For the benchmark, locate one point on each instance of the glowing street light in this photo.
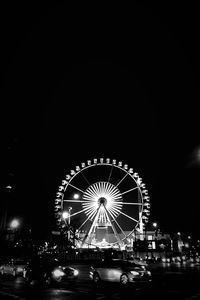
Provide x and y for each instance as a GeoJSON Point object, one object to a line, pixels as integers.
{"type": "Point", "coordinates": [14, 224]}
{"type": "Point", "coordinates": [76, 196]}
{"type": "Point", "coordinates": [155, 224]}
{"type": "Point", "coordinates": [67, 218]}
{"type": "Point", "coordinates": [65, 215]}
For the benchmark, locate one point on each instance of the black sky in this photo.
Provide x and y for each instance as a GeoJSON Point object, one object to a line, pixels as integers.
{"type": "Point", "coordinates": [120, 83]}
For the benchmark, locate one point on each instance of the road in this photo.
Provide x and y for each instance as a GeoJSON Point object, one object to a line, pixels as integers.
{"type": "Point", "coordinates": [170, 281]}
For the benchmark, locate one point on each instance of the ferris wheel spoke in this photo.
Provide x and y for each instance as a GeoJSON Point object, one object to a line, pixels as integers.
{"type": "Point", "coordinates": [99, 187]}
{"type": "Point", "coordinates": [112, 214]}
{"type": "Point", "coordinates": [89, 195]}
{"type": "Point", "coordinates": [108, 188]}
{"type": "Point", "coordinates": [74, 201]}
{"type": "Point", "coordinates": [117, 205]}
{"type": "Point", "coordinates": [89, 204]}
{"type": "Point", "coordinates": [90, 210]}
{"type": "Point", "coordinates": [78, 212]}
{"type": "Point", "coordinates": [75, 187]}
{"type": "Point", "coordinates": [85, 177]}
{"type": "Point", "coordinates": [129, 190]}
{"type": "Point", "coordinates": [105, 187]}
{"type": "Point", "coordinates": [92, 226]}
{"type": "Point", "coordinates": [121, 180]}
{"type": "Point", "coordinates": [113, 190]}
{"type": "Point", "coordinates": [116, 195]}
{"type": "Point", "coordinates": [110, 174]}
{"type": "Point", "coordinates": [129, 203]}
{"type": "Point", "coordinates": [84, 223]}
{"type": "Point", "coordinates": [115, 208]}
{"type": "Point", "coordinates": [114, 220]}
{"type": "Point", "coordinates": [112, 225]}
{"type": "Point", "coordinates": [129, 217]}
{"type": "Point", "coordinates": [92, 214]}
{"type": "Point", "coordinates": [92, 192]}
{"type": "Point", "coordinates": [115, 211]}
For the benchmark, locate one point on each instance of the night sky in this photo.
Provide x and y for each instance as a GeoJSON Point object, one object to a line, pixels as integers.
{"type": "Point", "coordinates": [82, 83]}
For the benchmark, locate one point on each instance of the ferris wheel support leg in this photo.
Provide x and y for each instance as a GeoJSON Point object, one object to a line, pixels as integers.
{"type": "Point", "coordinates": [92, 226]}
{"type": "Point", "coordinates": [113, 228]}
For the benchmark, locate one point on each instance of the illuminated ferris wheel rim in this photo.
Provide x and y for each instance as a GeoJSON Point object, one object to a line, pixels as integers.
{"type": "Point", "coordinates": [129, 171]}
{"type": "Point", "coordinates": [87, 198]}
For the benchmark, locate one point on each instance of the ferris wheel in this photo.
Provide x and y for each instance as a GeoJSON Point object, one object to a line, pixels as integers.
{"type": "Point", "coordinates": [105, 200]}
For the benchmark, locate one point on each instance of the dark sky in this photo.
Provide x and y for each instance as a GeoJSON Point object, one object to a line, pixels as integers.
{"type": "Point", "coordinates": [120, 83]}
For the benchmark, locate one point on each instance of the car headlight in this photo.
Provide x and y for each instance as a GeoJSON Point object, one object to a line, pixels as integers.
{"type": "Point", "coordinates": [134, 273]}
{"type": "Point", "coordinates": [149, 273]}
{"type": "Point", "coordinates": [76, 272]}
{"type": "Point", "coordinates": [19, 269]}
{"type": "Point", "coordinates": [58, 273]}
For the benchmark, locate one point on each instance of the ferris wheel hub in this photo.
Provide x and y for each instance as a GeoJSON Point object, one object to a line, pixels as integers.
{"type": "Point", "coordinates": [102, 200]}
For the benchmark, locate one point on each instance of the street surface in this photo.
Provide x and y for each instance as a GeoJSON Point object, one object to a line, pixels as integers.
{"type": "Point", "coordinates": [170, 281]}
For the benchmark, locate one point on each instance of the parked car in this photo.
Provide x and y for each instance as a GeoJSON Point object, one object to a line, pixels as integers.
{"type": "Point", "coordinates": [13, 267]}
{"type": "Point", "coordinates": [47, 271]}
{"type": "Point", "coordinates": [121, 271]}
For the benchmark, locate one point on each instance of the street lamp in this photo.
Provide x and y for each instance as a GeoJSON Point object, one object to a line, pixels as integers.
{"type": "Point", "coordinates": [13, 230]}
{"type": "Point", "coordinates": [14, 224]}
{"type": "Point", "coordinates": [76, 196]}
{"type": "Point", "coordinates": [67, 218]}
{"type": "Point", "coordinates": [65, 215]}
{"type": "Point", "coordinates": [155, 224]}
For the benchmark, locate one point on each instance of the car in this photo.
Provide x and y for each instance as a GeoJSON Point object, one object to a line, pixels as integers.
{"type": "Point", "coordinates": [121, 271]}
{"type": "Point", "coordinates": [48, 271]}
{"type": "Point", "coordinates": [13, 267]}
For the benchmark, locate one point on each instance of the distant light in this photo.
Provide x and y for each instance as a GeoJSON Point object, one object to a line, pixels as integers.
{"type": "Point", "coordinates": [178, 233]}
{"type": "Point", "coordinates": [155, 224]}
{"type": "Point", "coordinates": [8, 187]}
{"type": "Point", "coordinates": [76, 196]}
{"type": "Point", "coordinates": [14, 223]}
{"type": "Point", "coordinates": [189, 237]}
{"type": "Point", "coordinates": [65, 215]}
{"type": "Point", "coordinates": [198, 154]}
{"type": "Point", "coordinates": [195, 157]}
{"type": "Point", "coordinates": [76, 272]}
{"type": "Point", "coordinates": [58, 273]}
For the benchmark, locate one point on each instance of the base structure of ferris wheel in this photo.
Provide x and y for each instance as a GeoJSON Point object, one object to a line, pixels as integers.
{"type": "Point", "coordinates": [107, 203]}
{"type": "Point", "coordinates": [89, 241]}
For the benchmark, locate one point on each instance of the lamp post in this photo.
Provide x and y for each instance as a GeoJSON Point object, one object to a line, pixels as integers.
{"type": "Point", "coordinates": [67, 218]}
{"type": "Point", "coordinates": [13, 228]}
{"type": "Point", "coordinates": [155, 226]}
